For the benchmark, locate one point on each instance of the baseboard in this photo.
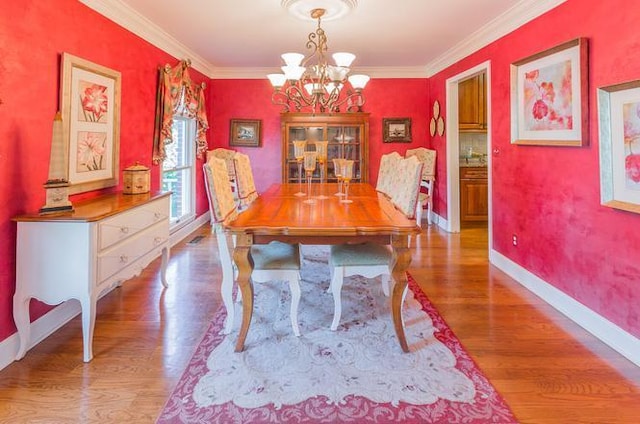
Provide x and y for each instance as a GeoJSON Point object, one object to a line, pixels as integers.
{"type": "Point", "coordinates": [50, 322]}
{"type": "Point", "coordinates": [606, 331]}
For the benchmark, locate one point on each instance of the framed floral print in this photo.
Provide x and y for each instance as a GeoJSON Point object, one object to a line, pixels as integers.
{"type": "Point", "coordinates": [619, 121]}
{"type": "Point", "coordinates": [396, 130]}
{"type": "Point", "coordinates": [245, 132]}
{"type": "Point", "coordinates": [549, 97]}
{"type": "Point", "coordinates": [90, 106]}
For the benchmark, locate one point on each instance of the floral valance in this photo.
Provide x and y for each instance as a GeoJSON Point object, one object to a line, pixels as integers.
{"type": "Point", "coordinates": [178, 95]}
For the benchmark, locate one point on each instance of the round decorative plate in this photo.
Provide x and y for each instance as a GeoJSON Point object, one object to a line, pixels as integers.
{"type": "Point", "coordinates": [432, 127]}
{"type": "Point", "coordinates": [440, 126]}
{"type": "Point", "coordinates": [436, 109]}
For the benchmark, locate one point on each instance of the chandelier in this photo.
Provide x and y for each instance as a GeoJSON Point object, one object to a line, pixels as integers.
{"type": "Point", "coordinates": [311, 84]}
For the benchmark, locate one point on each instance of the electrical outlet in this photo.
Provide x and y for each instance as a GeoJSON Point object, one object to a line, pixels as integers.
{"type": "Point", "coordinates": [515, 240]}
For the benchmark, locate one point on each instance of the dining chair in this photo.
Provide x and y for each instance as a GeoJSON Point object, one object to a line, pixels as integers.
{"type": "Point", "coordinates": [428, 159]}
{"type": "Point", "coordinates": [227, 155]}
{"type": "Point", "coordinates": [271, 262]}
{"type": "Point", "coordinates": [388, 164]}
{"type": "Point", "coordinates": [244, 180]}
{"type": "Point", "coordinates": [368, 259]}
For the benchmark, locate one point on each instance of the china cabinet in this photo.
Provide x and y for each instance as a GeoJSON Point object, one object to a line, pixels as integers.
{"type": "Point", "coordinates": [347, 135]}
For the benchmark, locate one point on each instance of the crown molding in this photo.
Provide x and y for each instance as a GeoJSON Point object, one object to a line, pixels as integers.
{"type": "Point", "coordinates": [127, 17]}
{"type": "Point", "coordinates": [518, 15]}
{"type": "Point", "coordinates": [373, 72]}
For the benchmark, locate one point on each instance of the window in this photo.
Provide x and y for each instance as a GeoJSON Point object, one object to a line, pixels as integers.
{"type": "Point", "coordinates": [178, 171]}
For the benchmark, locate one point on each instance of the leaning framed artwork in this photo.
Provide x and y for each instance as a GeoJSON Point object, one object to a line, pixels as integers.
{"type": "Point", "coordinates": [245, 132]}
{"type": "Point", "coordinates": [619, 129]}
{"type": "Point", "coordinates": [90, 107]}
{"type": "Point", "coordinates": [549, 97]}
{"type": "Point", "coordinates": [396, 130]}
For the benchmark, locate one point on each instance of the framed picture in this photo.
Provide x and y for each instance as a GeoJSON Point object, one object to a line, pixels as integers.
{"type": "Point", "coordinates": [396, 130]}
{"type": "Point", "coordinates": [90, 107]}
{"type": "Point", "coordinates": [245, 132]}
{"type": "Point", "coordinates": [619, 121]}
{"type": "Point", "coordinates": [549, 97]}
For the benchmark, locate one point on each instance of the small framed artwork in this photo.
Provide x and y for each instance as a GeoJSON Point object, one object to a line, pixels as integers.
{"type": "Point", "coordinates": [90, 107]}
{"type": "Point", "coordinates": [396, 130]}
{"type": "Point", "coordinates": [549, 97]}
{"type": "Point", "coordinates": [619, 128]}
{"type": "Point", "coordinates": [245, 132]}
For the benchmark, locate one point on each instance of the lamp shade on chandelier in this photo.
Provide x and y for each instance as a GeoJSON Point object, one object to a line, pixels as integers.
{"type": "Point", "coordinates": [312, 84]}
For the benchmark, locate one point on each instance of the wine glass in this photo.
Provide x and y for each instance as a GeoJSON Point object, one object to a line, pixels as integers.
{"type": "Point", "coordinates": [347, 174]}
{"type": "Point", "coordinates": [337, 170]}
{"type": "Point", "coordinates": [321, 151]}
{"type": "Point", "coordinates": [298, 152]}
{"type": "Point", "coordinates": [309, 167]}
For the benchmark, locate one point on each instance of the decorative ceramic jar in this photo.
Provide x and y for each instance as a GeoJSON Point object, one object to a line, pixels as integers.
{"type": "Point", "coordinates": [136, 179]}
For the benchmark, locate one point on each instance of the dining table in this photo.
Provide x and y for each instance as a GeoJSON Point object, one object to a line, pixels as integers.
{"type": "Point", "coordinates": [279, 215]}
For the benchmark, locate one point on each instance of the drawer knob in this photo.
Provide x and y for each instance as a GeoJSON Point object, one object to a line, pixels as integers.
{"type": "Point", "coordinates": [124, 230]}
{"type": "Point", "coordinates": [124, 259]}
{"type": "Point", "coordinates": [157, 240]}
{"type": "Point", "coordinates": [157, 215]}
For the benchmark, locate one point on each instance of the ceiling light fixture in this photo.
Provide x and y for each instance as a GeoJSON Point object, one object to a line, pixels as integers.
{"type": "Point", "coordinates": [319, 86]}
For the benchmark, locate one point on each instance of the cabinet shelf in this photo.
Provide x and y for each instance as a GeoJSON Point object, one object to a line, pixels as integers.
{"type": "Point", "coordinates": [347, 135]}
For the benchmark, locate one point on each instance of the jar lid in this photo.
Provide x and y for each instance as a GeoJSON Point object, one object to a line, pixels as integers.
{"type": "Point", "coordinates": [137, 167]}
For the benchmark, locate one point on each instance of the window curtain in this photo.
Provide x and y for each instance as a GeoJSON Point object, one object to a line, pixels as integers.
{"type": "Point", "coordinates": [178, 95]}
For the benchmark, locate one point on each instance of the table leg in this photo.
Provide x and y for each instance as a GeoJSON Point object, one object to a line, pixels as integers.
{"type": "Point", "coordinates": [244, 262]}
{"type": "Point", "coordinates": [401, 261]}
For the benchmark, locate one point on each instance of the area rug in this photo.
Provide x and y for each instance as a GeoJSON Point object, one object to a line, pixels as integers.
{"type": "Point", "coordinates": [356, 374]}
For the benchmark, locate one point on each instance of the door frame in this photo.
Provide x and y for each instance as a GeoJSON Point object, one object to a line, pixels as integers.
{"type": "Point", "coordinates": [453, 148]}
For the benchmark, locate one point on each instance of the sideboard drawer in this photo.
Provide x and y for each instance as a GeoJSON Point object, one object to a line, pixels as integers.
{"type": "Point", "coordinates": [121, 226]}
{"type": "Point", "coordinates": [126, 253]}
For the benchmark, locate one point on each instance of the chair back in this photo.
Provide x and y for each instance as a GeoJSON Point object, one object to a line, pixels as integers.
{"type": "Point", "coordinates": [428, 159]}
{"type": "Point", "coordinates": [408, 176]}
{"type": "Point", "coordinates": [244, 180]}
{"type": "Point", "coordinates": [227, 155]}
{"type": "Point", "coordinates": [222, 207]}
{"type": "Point", "coordinates": [388, 164]}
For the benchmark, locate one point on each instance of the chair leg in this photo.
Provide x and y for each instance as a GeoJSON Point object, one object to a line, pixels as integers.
{"type": "Point", "coordinates": [294, 287]}
{"type": "Point", "coordinates": [336, 289]}
{"type": "Point", "coordinates": [385, 280]}
{"type": "Point", "coordinates": [429, 212]}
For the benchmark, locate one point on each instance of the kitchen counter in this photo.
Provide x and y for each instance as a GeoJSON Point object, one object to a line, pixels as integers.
{"type": "Point", "coordinates": [472, 163]}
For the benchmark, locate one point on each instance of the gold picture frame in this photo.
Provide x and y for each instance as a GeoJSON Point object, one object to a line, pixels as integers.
{"type": "Point", "coordinates": [245, 132]}
{"type": "Point", "coordinates": [90, 108]}
{"type": "Point", "coordinates": [549, 97]}
{"type": "Point", "coordinates": [396, 130]}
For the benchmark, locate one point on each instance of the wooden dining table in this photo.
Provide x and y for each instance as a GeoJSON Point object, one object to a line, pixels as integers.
{"type": "Point", "coordinates": [279, 215]}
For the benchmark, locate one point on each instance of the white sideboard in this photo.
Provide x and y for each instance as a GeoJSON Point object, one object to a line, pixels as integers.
{"type": "Point", "coordinates": [82, 254]}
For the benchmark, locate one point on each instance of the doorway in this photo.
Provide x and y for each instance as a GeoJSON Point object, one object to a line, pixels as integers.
{"type": "Point", "coordinates": [453, 157]}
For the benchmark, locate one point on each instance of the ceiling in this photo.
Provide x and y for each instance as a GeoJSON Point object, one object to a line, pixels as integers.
{"type": "Point", "coordinates": [246, 37]}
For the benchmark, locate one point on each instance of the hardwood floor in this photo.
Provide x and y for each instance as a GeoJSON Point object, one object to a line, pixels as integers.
{"type": "Point", "coordinates": [548, 369]}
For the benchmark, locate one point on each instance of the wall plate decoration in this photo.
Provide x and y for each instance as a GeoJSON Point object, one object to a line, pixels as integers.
{"type": "Point", "coordinates": [432, 126]}
{"type": "Point", "coordinates": [440, 126]}
{"type": "Point", "coordinates": [436, 109]}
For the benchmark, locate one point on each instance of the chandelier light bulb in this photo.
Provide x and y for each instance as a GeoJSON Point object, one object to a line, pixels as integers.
{"type": "Point", "coordinates": [292, 59]}
{"type": "Point", "coordinates": [293, 73]}
{"type": "Point", "coordinates": [277, 80]}
{"type": "Point", "coordinates": [358, 81]}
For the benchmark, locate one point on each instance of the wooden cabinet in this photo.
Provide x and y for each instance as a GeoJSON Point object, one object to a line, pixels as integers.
{"type": "Point", "coordinates": [472, 112]}
{"type": "Point", "coordinates": [85, 253]}
{"type": "Point", "coordinates": [347, 134]}
{"type": "Point", "coordinates": [474, 194]}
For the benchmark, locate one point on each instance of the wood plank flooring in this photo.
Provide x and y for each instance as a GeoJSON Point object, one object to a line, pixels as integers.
{"type": "Point", "coordinates": [548, 369]}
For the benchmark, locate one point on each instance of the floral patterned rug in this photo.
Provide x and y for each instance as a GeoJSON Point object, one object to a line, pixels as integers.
{"type": "Point", "coordinates": [355, 374]}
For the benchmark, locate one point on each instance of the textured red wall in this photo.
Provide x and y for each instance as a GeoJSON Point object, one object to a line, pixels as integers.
{"type": "Point", "coordinates": [33, 34]}
{"type": "Point", "coordinates": [550, 196]}
{"type": "Point", "coordinates": [251, 99]}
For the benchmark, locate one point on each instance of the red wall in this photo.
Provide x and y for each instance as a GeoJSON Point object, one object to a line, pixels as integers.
{"type": "Point", "coordinates": [33, 34]}
{"type": "Point", "coordinates": [550, 196]}
{"type": "Point", "coordinates": [251, 99]}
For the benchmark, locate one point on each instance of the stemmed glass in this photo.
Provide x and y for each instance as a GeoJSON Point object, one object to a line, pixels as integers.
{"type": "Point", "coordinates": [298, 152]}
{"type": "Point", "coordinates": [337, 170]}
{"type": "Point", "coordinates": [321, 151]}
{"type": "Point", "coordinates": [347, 174]}
{"type": "Point", "coordinates": [309, 167]}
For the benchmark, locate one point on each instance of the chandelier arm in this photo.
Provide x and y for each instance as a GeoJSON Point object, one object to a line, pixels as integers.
{"type": "Point", "coordinates": [280, 99]}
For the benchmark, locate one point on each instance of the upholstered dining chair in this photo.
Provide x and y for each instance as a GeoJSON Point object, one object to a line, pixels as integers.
{"type": "Point", "coordinates": [273, 261]}
{"type": "Point", "coordinates": [227, 155]}
{"type": "Point", "coordinates": [386, 172]}
{"type": "Point", "coordinates": [428, 159]}
{"type": "Point", "coordinates": [244, 180]}
{"type": "Point", "coordinates": [372, 260]}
